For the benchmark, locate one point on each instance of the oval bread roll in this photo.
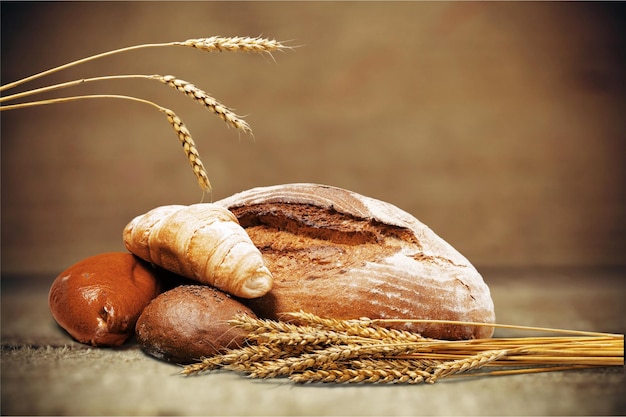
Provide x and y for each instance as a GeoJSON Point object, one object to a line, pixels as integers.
{"type": "Point", "coordinates": [98, 300]}
{"type": "Point", "coordinates": [189, 322]}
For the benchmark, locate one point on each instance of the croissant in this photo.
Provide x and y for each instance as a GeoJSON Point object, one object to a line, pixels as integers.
{"type": "Point", "coordinates": [203, 242]}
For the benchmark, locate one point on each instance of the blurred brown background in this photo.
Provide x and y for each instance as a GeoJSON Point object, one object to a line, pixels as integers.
{"type": "Point", "coordinates": [499, 125]}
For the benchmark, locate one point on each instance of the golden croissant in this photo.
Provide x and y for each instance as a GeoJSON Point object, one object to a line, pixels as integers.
{"type": "Point", "coordinates": [203, 242]}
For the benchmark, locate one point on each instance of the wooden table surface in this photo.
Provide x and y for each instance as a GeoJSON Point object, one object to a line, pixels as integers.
{"type": "Point", "coordinates": [45, 372]}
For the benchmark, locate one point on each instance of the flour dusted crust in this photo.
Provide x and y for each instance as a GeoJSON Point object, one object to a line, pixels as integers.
{"type": "Point", "coordinates": [338, 254]}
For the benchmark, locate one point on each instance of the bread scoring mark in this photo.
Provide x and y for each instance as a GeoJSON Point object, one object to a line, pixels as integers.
{"type": "Point", "coordinates": [324, 223]}
{"type": "Point", "coordinates": [317, 241]}
{"type": "Point", "coordinates": [467, 287]}
{"type": "Point", "coordinates": [423, 257]}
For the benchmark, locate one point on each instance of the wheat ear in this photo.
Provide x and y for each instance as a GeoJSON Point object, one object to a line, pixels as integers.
{"type": "Point", "coordinates": [246, 354]}
{"type": "Point", "coordinates": [200, 96]}
{"type": "Point", "coordinates": [235, 44]}
{"type": "Point", "coordinates": [355, 358]}
{"type": "Point", "coordinates": [283, 333]}
{"type": "Point", "coordinates": [466, 364]}
{"type": "Point", "coordinates": [358, 327]}
{"type": "Point", "coordinates": [348, 375]}
{"type": "Point", "coordinates": [393, 371]}
{"type": "Point", "coordinates": [189, 147]}
{"type": "Point", "coordinates": [322, 358]}
{"type": "Point", "coordinates": [181, 131]}
{"type": "Point", "coordinates": [205, 100]}
{"type": "Point", "coordinates": [214, 43]}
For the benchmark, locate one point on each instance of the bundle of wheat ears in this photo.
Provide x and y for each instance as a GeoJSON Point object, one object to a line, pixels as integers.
{"type": "Point", "coordinates": [329, 350]}
{"type": "Point", "coordinates": [363, 350]}
{"type": "Point", "coordinates": [212, 44]}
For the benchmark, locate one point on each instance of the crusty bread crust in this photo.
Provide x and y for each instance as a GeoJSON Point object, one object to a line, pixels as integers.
{"type": "Point", "coordinates": [190, 322]}
{"type": "Point", "coordinates": [98, 300]}
{"type": "Point", "coordinates": [338, 254]}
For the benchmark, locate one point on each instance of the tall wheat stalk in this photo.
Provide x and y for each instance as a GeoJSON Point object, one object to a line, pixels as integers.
{"type": "Point", "coordinates": [212, 44]}
{"type": "Point", "coordinates": [352, 351]}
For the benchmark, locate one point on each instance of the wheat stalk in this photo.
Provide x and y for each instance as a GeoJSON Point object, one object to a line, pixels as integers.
{"type": "Point", "coordinates": [246, 354]}
{"type": "Point", "coordinates": [215, 43]}
{"type": "Point", "coordinates": [466, 364]}
{"type": "Point", "coordinates": [353, 351]}
{"type": "Point", "coordinates": [282, 333]}
{"type": "Point", "coordinates": [257, 325]}
{"type": "Point", "coordinates": [393, 371]}
{"type": "Point", "coordinates": [190, 149]}
{"type": "Point", "coordinates": [182, 132]}
{"type": "Point", "coordinates": [205, 100]}
{"type": "Point", "coordinates": [304, 336]}
{"type": "Point", "coordinates": [324, 358]}
{"type": "Point", "coordinates": [180, 128]}
{"type": "Point", "coordinates": [359, 327]}
{"type": "Point", "coordinates": [200, 96]}
{"type": "Point", "coordinates": [395, 364]}
{"type": "Point", "coordinates": [348, 375]}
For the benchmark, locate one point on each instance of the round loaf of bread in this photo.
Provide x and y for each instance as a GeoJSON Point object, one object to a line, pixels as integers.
{"type": "Point", "coordinates": [98, 300]}
{"type": "Point", "coordinates": [338, 254]}
{"type": "Point", "coordinates": [190, 322]}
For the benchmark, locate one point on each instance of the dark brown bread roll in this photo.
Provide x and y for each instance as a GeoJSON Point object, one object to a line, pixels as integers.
{"type": "Point", "coordinates": [189, 322]}
{"type": "Point", "coordinates": [338, 254]}
{"type": "Point", "coordinates": [98, 300]}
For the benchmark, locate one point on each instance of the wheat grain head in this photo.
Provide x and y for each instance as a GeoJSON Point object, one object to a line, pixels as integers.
{"type": "Point", "coordinates": [189, 147]}
{"type": "Point", "coordinates": [205, 100]}
{"type": "Point", "coordinates": [234, 44]}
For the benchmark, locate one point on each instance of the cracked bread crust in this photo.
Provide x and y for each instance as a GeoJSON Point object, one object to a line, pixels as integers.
{"type": "Point", "coordinates": [342, 255]}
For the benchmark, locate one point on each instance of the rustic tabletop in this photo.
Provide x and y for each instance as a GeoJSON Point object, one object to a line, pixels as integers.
{"type": "Point", "coordinates": [45, 372]}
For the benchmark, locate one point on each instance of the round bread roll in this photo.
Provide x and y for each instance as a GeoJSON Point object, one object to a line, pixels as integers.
{"type": "Point", "coordinates": [338, 254]}
{"type": "Point", "coordinates": [98, 300]}
{"type": "Point", "coordinates": [189, 322]}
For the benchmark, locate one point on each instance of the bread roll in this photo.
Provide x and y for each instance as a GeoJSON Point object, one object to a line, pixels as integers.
{"type": "Point", "coordinates": [98, 300]}
{"type": "Point", "coordinates": [189, 322]}
{"type": "Point", "coordinates": [339, 254]}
